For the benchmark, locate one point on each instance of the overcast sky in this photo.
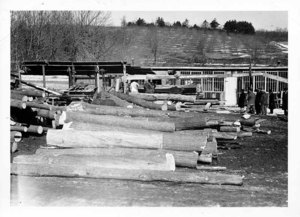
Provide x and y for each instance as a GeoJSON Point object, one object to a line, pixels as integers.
{"type": "Point", "coordinates": [269, 20]}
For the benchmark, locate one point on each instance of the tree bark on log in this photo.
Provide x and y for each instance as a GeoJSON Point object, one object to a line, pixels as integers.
{"type": "Point", "coordinates": [189, 123]}
{"type": "Point", "coordinates": [142, 102]}
{"type": "Point", "coordinates": [172, 97]}
{"type": "Point", "coordinates": [182, 158]}
{"type": "Point", "coordinates": [19, 128]}
{"type": "Point", "coordinates": [117, 100]}
{"type": "Point", "coordinates": [18, 104]}
{"type": "Point", "coordinates": [27, 92]}
{"type": "Point", "coordinates": [163, 162]}
{"type": "Point", "coordinates": [140, 175]}
{"type": "Point", "coordinates": [40, 106]}
{"type": "Point", "coordinates": [205, 158]}
{"type": "Point", "coordinates": [46, 114]}
{"type": "Point", "coordinates": [35, 129]}
{"type": "Point", "coordinates": [117, 121]}
{"type": "Point", "coordinates": [229, 129]}
{"type": "Point", "coordinates": [105, 139]}
{"type": "Point", "coordinates": [16, 96]}
{"type": "Point", "coordinates": [40, 88]}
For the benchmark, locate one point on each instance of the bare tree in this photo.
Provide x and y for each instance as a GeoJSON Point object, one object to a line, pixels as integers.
{"type": "Point", "coordinates": [153, 42]}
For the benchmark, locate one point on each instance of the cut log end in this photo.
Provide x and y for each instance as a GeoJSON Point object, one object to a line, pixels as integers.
{"type": "Point", "coordinates": [170, 161]}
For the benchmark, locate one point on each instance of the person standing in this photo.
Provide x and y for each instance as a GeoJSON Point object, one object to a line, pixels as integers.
{"type": "Point", "coordinates": [272, 99]}
{"type": "Point", "coordinates": [285, 101]}
{"type": "Point", "coordinates": [263, 102]}
{"type": "Point", "coordinates": [148, 87]}
{"type": "Point", "coordinates": [258, 101]}
{"type": "Point", "coordinates": [134, 87]}
{"type": "Point", "coordinates": [251, 102]}
{"type": "Point", "coordinates": [242, 100]}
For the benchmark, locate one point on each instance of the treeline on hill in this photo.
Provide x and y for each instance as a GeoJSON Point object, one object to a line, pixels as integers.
{"type": "Point", "coordinates": [230, 26]}
{"type": "Point", "coordinates": [86, 36]}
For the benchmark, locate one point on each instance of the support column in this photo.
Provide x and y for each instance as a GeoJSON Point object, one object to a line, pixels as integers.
{"type": "Point", "coordinates": [103, 78]}
{"type": "Point", "coordinates": [124, 80]}
{"type": "Point", "coordinates": [44, 76]}
{"type": "Point", "coordinates": [97, 79]}
{"type": "Point", "coordinates": [70, 77]}
{"type": "Point", "coordinates": [73, 75]}
{"type": "Point", "coordinates": [230, 90]}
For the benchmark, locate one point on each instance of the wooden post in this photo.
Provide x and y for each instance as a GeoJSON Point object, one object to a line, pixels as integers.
{"type": "Point", "coordinates": [73, 75]}
{"type": "Point", "coordinates": [19, 75]}
{"type": "Point", "coordinates": [97, 79]}
{"type": "Point", "coordinates": [103, 79]}
{"type": "Point", "coordinates": [44, 76]}
{"type": "Point", "coordinates": [70, 77]}
{"type": "Point", "coordinates": [124, 81]}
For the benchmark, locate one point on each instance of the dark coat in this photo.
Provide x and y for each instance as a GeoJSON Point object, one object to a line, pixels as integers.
{"type": "Point", "coordinates": [264, 98]}
{"type": "Point", "coordinates": [242, 100]}
{"type": "Point", "coordinates": [285, 100]}
{"type": "Point", "coordinates": [272, 99]}
{"type": "Point", "coordinates": [251, 98]}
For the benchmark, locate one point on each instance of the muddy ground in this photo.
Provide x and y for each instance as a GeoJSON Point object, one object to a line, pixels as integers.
{"type": "Point", "coordinates": [262, 160]}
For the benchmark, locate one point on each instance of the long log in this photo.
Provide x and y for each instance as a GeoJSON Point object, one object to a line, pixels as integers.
{"type": "Point", "coordinates": [182, 158]}
{"type": "Point", "coordinates": [35, 129]}
{"type": "Point", "coordinates": [142, 102]}
{"type": "Point", "coordinates": [17, 104]}
{"type": "Point", "coordinates": [188, 123]}
{"type": "Point", "coordinates": [229, 129]}
{"type": "Point", "coordinates": [46, 114]}
{"type": "Point", "coordinates": [39, 106]}
{"type": "Point", "coordinates": [205, 158]}
{"type": "Point", "coordinates": [28, 92]}
{"type": "Point", "coordinates": [105, 139]}
{"type": "Point", "coordinates": [117, 121]}
{"type": "Point", "coordinates": [39, 88]}
{"type": "Point", "coordinates": [15, 136]}
{"type": "Point", "coordinates": [96, 172]}
{"type": "Point", "coordinates": [120, 111]}
{"type": "Point", "coordinates": [173, 97]}
{"type": "Point", "coordinates": [117, 100]}
{"type": "Point", "coordinates": [16, 96]}
{"type": "Point", "coordinates": [19, 128]}
{"type": "Point", "coordinates": [158, 162]}
{"type": "Point", "coordinates": [179, 140]}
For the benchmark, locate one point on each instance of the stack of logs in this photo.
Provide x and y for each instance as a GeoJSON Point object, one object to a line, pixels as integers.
{"type": "Point", "coordinates": [28, 108]}
{"type": "Point", "coordinates": [130, 142]}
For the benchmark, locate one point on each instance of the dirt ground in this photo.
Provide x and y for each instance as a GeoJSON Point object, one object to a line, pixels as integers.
{"type": "Point", "coordinates": [262, 160]}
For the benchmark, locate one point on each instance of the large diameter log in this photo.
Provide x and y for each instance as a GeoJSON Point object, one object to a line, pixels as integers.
{"type": "Point", "coordinates": [28, 92]}
{"type": "Point", "coordinates": [15, 136]}
{"type": "Point", "coordinates": [190, 123]}
{"type": "Point", "coordinates": [117, 121]}
{"type": "Point", "coordinates": [178, 140]}
{"type": "Point", "coordinates": [19, 128]}
{"type": "Point", "coordinates": [17, 104]}
{"type": "Point", "coordinates": [182, 158]}
{"type": "Point", "coordinates": [46, 114]}
{"type": "Point", "coordinates": [164, 162]}
{"type": "Point", "coordinates": [229, 129]}
{"type": "Point", "coordinates": [96, 172]}
{"type": "Point", "coordinates": [183, 142]}
{"type": "Point", "coordinates": [172, 97]}
{"type": "Point", "coordinates": [19, 97]}
{"type": "Point", "coordinates": [120, 111]}
{"type": "Point", "coordinates": [35, 129]}
{"type": "Point", "coordinates": [104, 139]}
{"type": "Point", "coordinates": [117, 100]}
{"type": "Point", "coordinates": [39, 106]}
{"type": "Point", "coordinates": [142, 102]}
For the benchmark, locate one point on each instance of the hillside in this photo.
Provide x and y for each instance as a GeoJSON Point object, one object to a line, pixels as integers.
{"type": "Point", "coordinates": [181, 46]}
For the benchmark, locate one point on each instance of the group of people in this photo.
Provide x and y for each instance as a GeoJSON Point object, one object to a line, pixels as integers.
{"type": "Point", "coordinates": [259, 103]}
{"type": "Point", "coordinates": [133, 87]}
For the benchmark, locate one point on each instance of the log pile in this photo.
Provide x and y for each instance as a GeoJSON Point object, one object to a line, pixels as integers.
{"type": "Point", "coordinates": [127, 142]}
